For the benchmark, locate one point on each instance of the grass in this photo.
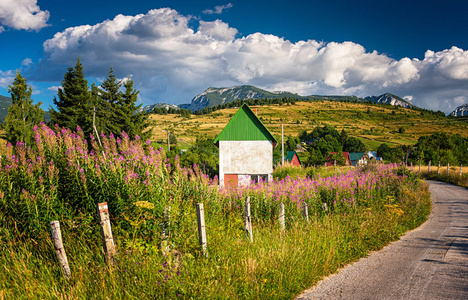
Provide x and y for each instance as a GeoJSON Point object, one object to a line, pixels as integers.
{"type": "Point", "coordinates": [373, 128]}
{"type": "Point", "coordinates": [368, 208]}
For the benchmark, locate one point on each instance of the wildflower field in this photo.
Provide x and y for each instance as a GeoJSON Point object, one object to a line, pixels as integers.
{"type": "Point", "coordinates": [65, 177]}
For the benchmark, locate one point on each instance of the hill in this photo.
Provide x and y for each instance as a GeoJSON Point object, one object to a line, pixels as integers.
{"type": "Point", "coordinates": [391, 100]}
{"type": "Point", "coordinates": [461, 111]}
{"type": "Point", "coordinates": [372, 123]}
{"type": "Point", "coordinates": [215, 96]}
{"type": "Point", "coordinates": [5, 102]}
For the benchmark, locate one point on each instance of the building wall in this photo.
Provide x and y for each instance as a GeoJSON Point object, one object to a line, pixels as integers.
{"type": "Point", "coordinates": [245, 158]}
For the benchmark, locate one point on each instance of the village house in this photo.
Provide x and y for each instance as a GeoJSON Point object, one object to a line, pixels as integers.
{"type": "Point", "coordinates": [358, 158]}
{"type": "Point", "coordinates": [245, 150]}
{"type": "Point", "coordinates": [292, 159]}
{"type": "Point", "coordinates": [331, 162]}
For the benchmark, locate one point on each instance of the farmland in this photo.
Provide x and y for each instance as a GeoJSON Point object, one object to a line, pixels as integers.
{"type": "Point", "coordinates": [373, 124]}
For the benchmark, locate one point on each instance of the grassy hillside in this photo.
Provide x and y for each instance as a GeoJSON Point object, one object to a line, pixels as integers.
{"type": "Point", "coordinates": [4, 103]}
{"type": "Point", "coordinates": [373, 124]}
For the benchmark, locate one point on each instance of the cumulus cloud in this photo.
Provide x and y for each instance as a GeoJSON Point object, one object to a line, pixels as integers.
{"type": "Point", "coordinates": [218, 9]}
{"type": "Point", "coordinates": [171, 62]}
{"type": "Point", "coordinates": [22, 14]}
{"type": "Point", "coordinates": [6, 78]}
{"type": "Point", "coordinates": [26, 62]}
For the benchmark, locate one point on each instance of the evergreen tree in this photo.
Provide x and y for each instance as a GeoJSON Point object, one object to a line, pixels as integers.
{"type": "Point", "coordinates": [110, 102]}
{"type": "Point", "coordinates": [133, 123]}
{"type": "Point", "coordinates": [23, 114]}
{"type": "Point", "coordinates": [74, 101]}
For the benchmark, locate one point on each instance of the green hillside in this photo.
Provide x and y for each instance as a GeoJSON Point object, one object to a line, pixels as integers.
{"type": "Point", "coordinates": [5, 102]}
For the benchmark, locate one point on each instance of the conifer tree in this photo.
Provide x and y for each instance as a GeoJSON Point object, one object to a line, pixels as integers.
{"type": "Point", "coordinates": [109, 102]}
{"type": "Point", "coordinates": [23, 114]}
{"type": "Point", "coordinates": [74, 102]}
{"type": "Point", "coordinates": [133, 123]}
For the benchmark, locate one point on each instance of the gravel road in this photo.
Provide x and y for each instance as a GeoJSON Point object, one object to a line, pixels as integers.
{"type": "Point", "coordinates": [430, 262]}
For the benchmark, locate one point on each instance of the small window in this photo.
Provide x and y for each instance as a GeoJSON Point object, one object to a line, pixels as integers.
{"type": "Point", "coordinates": [258, 178]}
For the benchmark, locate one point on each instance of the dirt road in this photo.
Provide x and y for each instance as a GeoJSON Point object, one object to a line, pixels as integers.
{"type": "Point", "coordinates": [430, 262]}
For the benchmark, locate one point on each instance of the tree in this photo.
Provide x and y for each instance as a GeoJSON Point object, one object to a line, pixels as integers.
{"type": "Point", "coordinates": [23, 114]}
{"type": "Point", "coordinates": [133, 122]}
{"type": "Point", "coordinates": [74, 101]}
{"type": "Point", "coordinates": [353, 144]}
{"type": "Point", "coordinates": [111, 102]}
{"type": "Point", "coordinates": [343, 137]}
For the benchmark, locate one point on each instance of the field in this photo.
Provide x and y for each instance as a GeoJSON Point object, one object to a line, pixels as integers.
{"type": "Point", "coordinates": [65, 180]}
{"type": "Point", "coordinates": [373, 124]}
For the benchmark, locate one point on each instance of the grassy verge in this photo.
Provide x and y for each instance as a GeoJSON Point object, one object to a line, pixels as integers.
{"type": "Point", "coordinates": [367, 208]}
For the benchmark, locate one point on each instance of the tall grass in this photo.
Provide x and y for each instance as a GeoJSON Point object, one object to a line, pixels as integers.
{"type": "Point", "coordinates": [65, 177]}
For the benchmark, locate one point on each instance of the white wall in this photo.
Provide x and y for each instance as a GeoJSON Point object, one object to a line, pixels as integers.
{"type": "Point", "coordinates": [245, 157]}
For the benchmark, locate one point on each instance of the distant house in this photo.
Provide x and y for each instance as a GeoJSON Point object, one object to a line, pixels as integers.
{"type": "Point", "coordinates": [331, 162]}
{"type": "Point", "coordinates": [245, 150]}
{"type": "Point", "coordinates": [358, 158]}
{"type": "Point", "coordinates": [373, 156]}
{"type": "Point", "coordinates": [292, 159]}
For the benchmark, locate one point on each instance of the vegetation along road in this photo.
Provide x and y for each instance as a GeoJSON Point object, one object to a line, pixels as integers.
{"type": "Point", "coordinates": [430, 262]}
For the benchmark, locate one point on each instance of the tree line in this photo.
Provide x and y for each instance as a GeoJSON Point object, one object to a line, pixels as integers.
{"type": "Point", "coordinates": [108, 108]}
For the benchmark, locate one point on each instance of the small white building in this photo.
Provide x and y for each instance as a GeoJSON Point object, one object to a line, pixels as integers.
{"type": "Point", "coordinates": [245, 150]}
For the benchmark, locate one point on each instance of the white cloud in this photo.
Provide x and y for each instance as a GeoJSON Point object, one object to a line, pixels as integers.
{"type": "Point", "coordinates": [22, 14]}
{"type": "Point", "coordinates": [171, 62]}
{"type": "Point", "coordinates": [2, 29]}
{"type": "Point", "coordinates": [54, 88]}
{"type": "Point", "coordinates": [6, 78]}
{"type": "Point", "coordinates": [218, 9]}
{"type": "Point", "coordinates": [26, 62]}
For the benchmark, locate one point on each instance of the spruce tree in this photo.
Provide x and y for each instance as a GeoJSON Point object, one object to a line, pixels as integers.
{"type": "Point", "coordinates": [23, 114]}
{"type": "Point", "coordinates": [74, 102]}
{"type": "Point", "coordinates": [109, 102]}
{"type": "Point", "coordinates": [133, 123]}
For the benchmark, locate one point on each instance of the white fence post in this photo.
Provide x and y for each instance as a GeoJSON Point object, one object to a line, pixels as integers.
{"type": "Point", "coordinates": [201, 228]}
{"type": "Point", "coordinates": [59, 250]}
{"type": "Point", "coordinates": [281, 217]}
{"type": "Point", "coordinates": [305, 211]}
{"type": "Point", "coordinates": [438, 169]}
{"type": "Point", "coordinates": [461, 170]}
{"type": "Point", "coordinates": [248, 219]}
{"type": "Point", "coordinates": [106, 231]}
{"type": "Point", "coordinates": [448, 169]}
{"type": "Point", "coordinates": [429, 167]}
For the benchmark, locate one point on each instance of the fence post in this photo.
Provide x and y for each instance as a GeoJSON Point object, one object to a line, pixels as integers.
{"type": "Point", "coordinates": [429, 167]}
{"type": "Point", "coordinates": [165, 225]}
{"type": "Point", "coordinates": [438, 169]}
{"type": "Point", "coordinates": [59, 250]}
{"type": "Point", "coordinates": [281, 217]}
{"type": "Point", "coordinates": [248, 219]}
{"type": "Point", "coordinates": [334, 164]}
{"type": "Point", "coordinates": [106, 231]}
{"type": "Point", "coordinates": [460, 170]}
{"type": "Point", "coordinates": [305, 211]}
{"type": "Point", "coordinates": [411, 166]}
{"type": "Point", "coordinates": [201, 228]}
{"type": "Point", "coordinates": [324, 207]}
{"type": "Point", "coordinates": [448, 169]}
{"type": "Point", "coordinates": [419, 166]}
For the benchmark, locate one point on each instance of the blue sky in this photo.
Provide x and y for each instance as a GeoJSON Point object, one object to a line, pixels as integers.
{"type": "Point", "coordinates": [174, 50]}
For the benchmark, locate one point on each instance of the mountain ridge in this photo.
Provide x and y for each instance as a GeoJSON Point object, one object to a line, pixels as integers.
{"type": "Point", "coordinates": [460, 111]}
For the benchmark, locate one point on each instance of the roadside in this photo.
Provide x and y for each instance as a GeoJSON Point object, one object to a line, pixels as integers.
{"type": "Point", "coordinates": [430, 262]}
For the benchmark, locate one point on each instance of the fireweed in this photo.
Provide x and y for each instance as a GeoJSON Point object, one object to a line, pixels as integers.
{"type": "Point", "coordinates": [63, 176]}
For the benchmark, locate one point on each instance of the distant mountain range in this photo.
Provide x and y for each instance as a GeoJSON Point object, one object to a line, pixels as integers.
{"type": "Point", "coordinates": [215, 96]}
{"type": "Point", "coordinates": [461, 111]}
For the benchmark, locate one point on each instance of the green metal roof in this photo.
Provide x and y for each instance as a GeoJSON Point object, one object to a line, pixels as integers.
{"type": "Point", "coordinates": [245, 126]}
{"type": "Point", "coordinates": [290, 156]}
{"type": "Point", "coordinates": [356, 156]}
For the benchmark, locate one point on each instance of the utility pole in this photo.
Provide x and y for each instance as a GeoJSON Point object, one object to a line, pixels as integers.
{"type": "Point", "coordinates": [282, 145]}
{"type": "Point", "coordinates": [168, 142]}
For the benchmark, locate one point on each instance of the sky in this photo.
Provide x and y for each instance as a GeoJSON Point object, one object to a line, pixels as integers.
{"type": "Point", "coordinates": [174, 50]}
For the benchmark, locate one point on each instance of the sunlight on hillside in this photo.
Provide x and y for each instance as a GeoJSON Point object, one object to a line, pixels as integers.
{"type": "Point", "coordinates": [373, 124]}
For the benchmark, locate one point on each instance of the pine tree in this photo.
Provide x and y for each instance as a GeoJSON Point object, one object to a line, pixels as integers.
{"type": "Point", "coordinates": [74, 102]}
{"type": "Point", "coordinates": [23, 114]}
{"type": "Point", "coordinates": [109, 104]}
{"type": "Point", "coordinates": [133, 123]}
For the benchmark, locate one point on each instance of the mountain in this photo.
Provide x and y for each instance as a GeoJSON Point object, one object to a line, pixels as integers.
{"type": "Point", "coordinates": [214, 96]}
{"type": "Point", "coordinates": [5, 102]}
{"type": "Point", "coordinates": [149, 108]}
{"type": "Point", "coordinates": [460, 111]}
{"type": "Point", "coordinates": [390, 99]}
